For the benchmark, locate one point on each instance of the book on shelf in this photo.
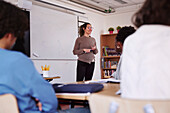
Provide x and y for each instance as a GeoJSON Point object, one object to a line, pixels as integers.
{"type": "Point", "coordinates": [109, 51]}
{"type": "Point", "coordinates": [113, 64]}
{"type": "Point", "coordinates": [102, 62]}
{"type": "Point", "coordinates": [104, 50]}
{"type": "Point", "coordinates": [108, 64]}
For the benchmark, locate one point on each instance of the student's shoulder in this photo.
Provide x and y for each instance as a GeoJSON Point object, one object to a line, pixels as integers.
{"type": "Point", "coordinates": [15, 55]}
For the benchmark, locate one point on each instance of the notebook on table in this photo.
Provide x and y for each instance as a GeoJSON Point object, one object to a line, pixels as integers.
{"type": "Point", "coordinates": [77, 88]}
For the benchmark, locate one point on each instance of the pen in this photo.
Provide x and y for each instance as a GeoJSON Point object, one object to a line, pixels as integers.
{"type": "Point", "coordinates": [48, 68]}
{"type": "Point", "coordinates": [45, 68]}
{"type": "Point", "coordinates": [42, 68]}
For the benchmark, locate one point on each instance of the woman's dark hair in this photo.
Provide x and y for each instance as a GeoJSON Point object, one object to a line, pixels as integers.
{"type": "Point", "coordinates": [124, 32]}
{"type": "Point", "coordinates": [81, 31]}
{"type": "Point", "coordinates": [153, 12]}
{"type": "Point", "coordinates": [12, 20]}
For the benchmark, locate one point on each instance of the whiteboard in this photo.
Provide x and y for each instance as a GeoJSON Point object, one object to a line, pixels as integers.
{"type": "Point", "coordinates": [53, 33]}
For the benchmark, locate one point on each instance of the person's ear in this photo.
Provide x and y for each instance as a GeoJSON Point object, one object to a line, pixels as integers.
{"type": "Point", "coordinates": [8, 35]}
{"type": "Point", "coordinates": [121, 44]}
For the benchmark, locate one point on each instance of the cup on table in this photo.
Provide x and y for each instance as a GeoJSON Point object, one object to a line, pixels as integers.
{"type": "Point", "coordinates": [45, 70]}
{"type": "Point", "coordinates": [45, 73]}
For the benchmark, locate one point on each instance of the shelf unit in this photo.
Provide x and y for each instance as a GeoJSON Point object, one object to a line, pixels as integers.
{"type": "Point", "coordinates": [107, 40]}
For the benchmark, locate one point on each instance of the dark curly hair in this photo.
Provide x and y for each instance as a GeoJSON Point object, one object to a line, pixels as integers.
{"type": "Point", "coordinates": [12, 20]}
{"type": "Point", "coordinates": [124, 32]}
{"type": "Point", "coordinates": [81, 31]}
{"type": "Point", "coordinates": [153, 12]}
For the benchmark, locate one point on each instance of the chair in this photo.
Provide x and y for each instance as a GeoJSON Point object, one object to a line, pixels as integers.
{"type": "Point", "coordinates": [8, 104]}
{"type": "Point", "coordinates": [120, 105]}
{"type": "Point", "coordinates": [112, 104]}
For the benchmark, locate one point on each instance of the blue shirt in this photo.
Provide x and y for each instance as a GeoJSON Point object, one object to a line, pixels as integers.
{"type": "Point", "coordinates": [19, 77]}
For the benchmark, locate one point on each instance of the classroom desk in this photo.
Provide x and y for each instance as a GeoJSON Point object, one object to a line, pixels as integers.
{"type": "Point", "coordinates": [83, 99]}
{"type": "Point", "coordinates": [51, 78]}
{"type": "Point", "coordinates": [108, 90]}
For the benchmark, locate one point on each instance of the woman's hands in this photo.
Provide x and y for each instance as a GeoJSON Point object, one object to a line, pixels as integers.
{"type": "Point", "coordinates": [93, 48]}
{"type": "Point", "coordinates": [86, 50]}
{"type": "Point", "coordinates": [89, 50]}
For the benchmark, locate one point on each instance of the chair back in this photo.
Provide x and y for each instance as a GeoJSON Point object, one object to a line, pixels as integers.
{"type": "Point", "coordinates": [103, 103]}
{"type": "Point", "coordinates": [8, 104]}
{"type": "Point", "coordinates": [120, 105]}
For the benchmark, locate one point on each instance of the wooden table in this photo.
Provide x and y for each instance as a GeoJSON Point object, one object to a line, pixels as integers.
{"type": "Point", "coordinates": [109, 90]}
{"type": "Point", "coordinates": [51, 78]}
{"type": "Point", "coordinates": [82, 98]}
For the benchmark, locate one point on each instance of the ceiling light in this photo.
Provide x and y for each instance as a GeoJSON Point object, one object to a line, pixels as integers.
{"type": "Point", "coordinates": [92, 6]}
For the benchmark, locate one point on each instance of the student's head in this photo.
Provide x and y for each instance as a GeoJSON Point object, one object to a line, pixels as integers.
{"type": "Point", "coordinates": [13, 22]}
{"type": "Point", "coordinates": [153, 12]}
{"type": "Point", "coordinates": [124, 32]}
{"type": "Point", "coordinates": [86, 28]}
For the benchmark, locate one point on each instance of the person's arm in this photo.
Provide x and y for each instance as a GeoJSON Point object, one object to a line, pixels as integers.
{"type": "Point", "coordinates": [43, 91]}
{"type": "Point", "coordinates": [77, 50]}
{"type": "Point", "coordinates": [35, 86]}
{"type": "Point", "coordinates": [94, 48]}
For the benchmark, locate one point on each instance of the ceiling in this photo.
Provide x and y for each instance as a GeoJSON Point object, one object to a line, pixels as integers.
{"type": "Point", "coordinates": [106, 6]}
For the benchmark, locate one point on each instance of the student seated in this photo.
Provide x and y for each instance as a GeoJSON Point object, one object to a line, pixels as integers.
{"type": "Point", "coordinates": [120, 38]}
{"type": "Point", "coordinates": [18, 75]}
{"type": "Point", "coordinates": [146, 55]}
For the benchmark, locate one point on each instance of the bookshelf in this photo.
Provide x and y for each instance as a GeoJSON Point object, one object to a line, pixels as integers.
{"type": "Point", "coordinates": [108, 56]}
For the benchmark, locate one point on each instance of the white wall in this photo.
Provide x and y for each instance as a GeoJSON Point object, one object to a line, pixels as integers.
{"type": "Point", "coordinates": [49, 35]}
{"type": "Point", "coordinates": [123, 19]}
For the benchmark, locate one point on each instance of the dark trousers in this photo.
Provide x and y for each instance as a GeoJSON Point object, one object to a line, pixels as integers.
{"type": "Point", "coordinates": [85, 70]}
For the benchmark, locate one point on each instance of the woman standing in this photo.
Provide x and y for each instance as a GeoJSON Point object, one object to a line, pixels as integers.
{"type": "Point", "coordinates": [85, 48]}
